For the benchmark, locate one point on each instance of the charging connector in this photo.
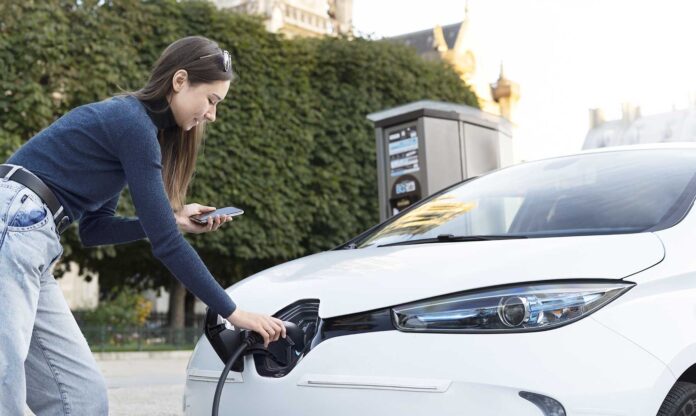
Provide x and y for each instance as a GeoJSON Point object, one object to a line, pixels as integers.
{"type": "Point", "coordinates": [232, 344]}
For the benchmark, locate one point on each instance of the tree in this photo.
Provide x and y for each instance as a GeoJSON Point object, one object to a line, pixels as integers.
{"type": "Point", "coordinates": [291, 145]}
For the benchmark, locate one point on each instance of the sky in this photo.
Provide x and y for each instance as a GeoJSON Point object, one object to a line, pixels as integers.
{"type": "Point", "coordinates": [567, 56]}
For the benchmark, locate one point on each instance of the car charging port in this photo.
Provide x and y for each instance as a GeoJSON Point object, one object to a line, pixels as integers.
{"type": "Point", "coordinates": [232, 344]}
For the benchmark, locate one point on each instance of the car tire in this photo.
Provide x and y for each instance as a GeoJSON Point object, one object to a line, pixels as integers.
{"type": "Point", "coordinates": [680, 401]}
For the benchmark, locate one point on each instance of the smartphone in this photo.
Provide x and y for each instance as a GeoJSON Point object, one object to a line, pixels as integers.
{"type": "Point", "coordinates": [203, 218]}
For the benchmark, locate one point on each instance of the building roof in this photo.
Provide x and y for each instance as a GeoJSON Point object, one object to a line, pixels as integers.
{"type": "Point", "coordinates": [423, 41]}
{"type": "Point", "coordinates": [674, 126]}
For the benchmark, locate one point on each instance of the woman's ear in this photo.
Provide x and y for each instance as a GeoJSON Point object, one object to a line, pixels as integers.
{"type": "Point", "coordinates": [179, 80]}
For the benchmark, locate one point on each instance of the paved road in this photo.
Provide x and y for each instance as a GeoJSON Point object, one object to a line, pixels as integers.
{"type": "Point", "coordinates": [145, 386]}
{"type": "Point", "coordinates": [142, 385]}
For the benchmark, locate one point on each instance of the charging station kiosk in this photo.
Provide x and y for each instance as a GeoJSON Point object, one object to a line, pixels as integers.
{"type": "Point", "coordinates": [425, 146]}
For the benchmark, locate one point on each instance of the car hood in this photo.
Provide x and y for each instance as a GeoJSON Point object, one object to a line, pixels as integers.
{"type": "Point", "coordinates": [351, 281]}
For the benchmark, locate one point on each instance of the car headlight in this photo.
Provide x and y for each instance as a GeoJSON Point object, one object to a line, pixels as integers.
{"type": "Point", "coordinates": [529, 307]}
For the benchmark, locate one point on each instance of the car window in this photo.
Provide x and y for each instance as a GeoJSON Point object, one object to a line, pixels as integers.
{"type": "Point", "coordinates": [595, 193]}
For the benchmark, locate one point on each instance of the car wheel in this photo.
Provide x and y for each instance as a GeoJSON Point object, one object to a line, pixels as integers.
{"type": "Point", "coordinates": [680, 401]}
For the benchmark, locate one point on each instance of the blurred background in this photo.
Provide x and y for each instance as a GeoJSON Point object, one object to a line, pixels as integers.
{"type": "Point", "coordinates": [292, 144]}
{"type": "Point", "coordinates": [574, 60]}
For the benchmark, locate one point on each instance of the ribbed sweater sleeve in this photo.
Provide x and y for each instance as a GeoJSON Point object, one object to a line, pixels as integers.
{"type": "Point", "coordinates": [102, 227]}
{"type": "Point", "coordinates": [141, 159]}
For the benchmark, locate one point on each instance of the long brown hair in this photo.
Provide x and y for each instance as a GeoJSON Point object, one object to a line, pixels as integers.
{"type": "Point", "coordinates": [179, 147]}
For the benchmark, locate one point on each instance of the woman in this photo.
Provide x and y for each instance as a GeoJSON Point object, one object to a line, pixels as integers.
{"type": "Point", "coordinates": [75, 170]}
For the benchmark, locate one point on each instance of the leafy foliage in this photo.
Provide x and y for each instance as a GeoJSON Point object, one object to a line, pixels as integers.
{"type": "Point", "coordinates": [291, 145]}
{"type": "Point", "coordinates": [125, 308]}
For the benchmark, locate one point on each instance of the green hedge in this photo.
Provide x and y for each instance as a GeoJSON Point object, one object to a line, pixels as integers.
{"type": "Point", "coordinates": [291, 144]}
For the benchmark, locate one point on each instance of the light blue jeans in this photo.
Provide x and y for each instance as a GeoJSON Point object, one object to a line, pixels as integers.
{"type": "Point", "coordinates": [44, 358]}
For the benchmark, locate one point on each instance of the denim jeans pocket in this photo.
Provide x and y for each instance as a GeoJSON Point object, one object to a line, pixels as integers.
{"type": "Point", "coordinates": [31, 213]}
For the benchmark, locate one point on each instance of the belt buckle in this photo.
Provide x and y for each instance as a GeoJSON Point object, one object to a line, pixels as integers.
{"type": "Point", "coordinates": [11, 172]}
{"type": "Point", "coordinates": [62, 224]}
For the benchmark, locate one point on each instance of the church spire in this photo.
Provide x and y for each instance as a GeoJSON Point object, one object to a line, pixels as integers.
{"type": "Point", "coordinates": [506, 93]}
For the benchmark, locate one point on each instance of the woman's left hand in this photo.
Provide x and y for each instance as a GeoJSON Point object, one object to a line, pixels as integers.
{"type": "Point", "coordinates": [186, 225]}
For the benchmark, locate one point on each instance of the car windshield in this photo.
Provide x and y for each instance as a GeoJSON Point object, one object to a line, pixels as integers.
{"type": "Point", "coordinates": [611, 192]}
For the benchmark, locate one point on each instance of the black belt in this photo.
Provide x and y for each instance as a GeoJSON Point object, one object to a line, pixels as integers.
{"type": "Point", "coordinates": [31, 181]}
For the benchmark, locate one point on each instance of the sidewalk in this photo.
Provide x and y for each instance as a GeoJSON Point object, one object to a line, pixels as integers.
{"type": "Point", "coordinates": [142, 355]}
{"type": "Point", "coordinates": [145, 383]}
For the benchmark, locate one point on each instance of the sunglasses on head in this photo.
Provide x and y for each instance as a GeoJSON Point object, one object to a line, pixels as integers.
{"type": "Point", "coordinates": [226, 59]}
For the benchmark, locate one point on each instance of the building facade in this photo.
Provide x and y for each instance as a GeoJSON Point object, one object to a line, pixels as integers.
{"type": "Point", "coordinates": [79, 293]}
{"type": "Point", "coordinates": [454, 44]}
{"type": "Point", "coordinates": [633, 128]}
{"type": "Point", "coordinates": [307, 18]}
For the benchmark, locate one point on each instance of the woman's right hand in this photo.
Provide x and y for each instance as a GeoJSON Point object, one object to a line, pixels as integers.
{"type": "Point", "coordinates": [270, 328]}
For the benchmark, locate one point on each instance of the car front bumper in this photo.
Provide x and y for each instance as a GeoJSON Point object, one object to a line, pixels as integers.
{"type": "Point", "coordinates": [588, 368]}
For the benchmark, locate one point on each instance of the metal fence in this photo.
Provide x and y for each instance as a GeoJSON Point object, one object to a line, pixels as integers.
{"type": "Point", "coordinates": [155, 335]}
{"type": "Point", "coordinates": [105, 338]}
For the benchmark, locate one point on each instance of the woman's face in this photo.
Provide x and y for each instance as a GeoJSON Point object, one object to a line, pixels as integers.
{"type": "Point", "coordinates": [195, 104]}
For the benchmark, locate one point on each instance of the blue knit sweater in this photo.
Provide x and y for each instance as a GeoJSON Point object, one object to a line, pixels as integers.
{"type": "Point", "coordinates": [87, 157]}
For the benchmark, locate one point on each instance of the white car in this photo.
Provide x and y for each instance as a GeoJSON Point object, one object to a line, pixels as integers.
{"type": "Point", "coordinates": [564, 286]}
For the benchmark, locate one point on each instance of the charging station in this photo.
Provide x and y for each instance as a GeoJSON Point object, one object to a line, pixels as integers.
{"type": "Point", "coordinates": [425, 146]}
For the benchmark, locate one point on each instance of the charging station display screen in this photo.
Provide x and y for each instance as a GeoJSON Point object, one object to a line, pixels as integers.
{"type": "Point", "coordinates": [402, 188]}
{"type": "Point", "coordinates": [403, 151]}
